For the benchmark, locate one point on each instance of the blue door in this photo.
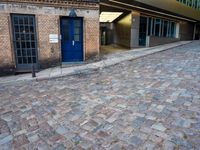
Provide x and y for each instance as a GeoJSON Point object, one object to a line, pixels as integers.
{"type": "Point", "coordinates": [72, 39]}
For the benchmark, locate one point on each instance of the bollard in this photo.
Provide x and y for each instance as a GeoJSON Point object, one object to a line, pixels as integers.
{"type": "Point", "coordinates": [33, 71]}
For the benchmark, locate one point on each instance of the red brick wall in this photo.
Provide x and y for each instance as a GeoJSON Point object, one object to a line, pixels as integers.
{"type": "Point", "coordinates": [6, 60]}
{"type": "Point", "coordinates": [49, 53]}
{"type": "Point", "coordinates": [47, 22]}
{"type": "Point", "coordinates": [91, 37]}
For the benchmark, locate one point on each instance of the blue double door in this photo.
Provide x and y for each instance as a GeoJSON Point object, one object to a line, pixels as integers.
{"type": "Point", "coordinates": [72, 39]}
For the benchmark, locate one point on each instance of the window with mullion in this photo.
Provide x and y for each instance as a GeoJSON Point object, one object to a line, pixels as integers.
{"type": "Point", "coordinates": [157, 27]}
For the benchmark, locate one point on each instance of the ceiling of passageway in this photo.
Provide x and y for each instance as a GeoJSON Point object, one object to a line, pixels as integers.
{"type": "Point", "coordinates": [110, 13]}
{"type": "Point", "coordinates": [164, 7]}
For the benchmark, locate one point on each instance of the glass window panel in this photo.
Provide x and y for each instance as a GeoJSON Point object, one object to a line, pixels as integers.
{"type": "Point", "coordinates": [76, 31]}
{"type": "Point", "coordinates": [161, 27]}
{"type": "Point", "coordinates": [33, 52]}
{"type": "Point", "coordinates": [22, 28]}
{"type": "Point", "coordinates": [18, 44]}
{"type": "Point", "coordinates": [157, 27]}
{"type": "Point", "coordinates": [32, 44]}
{"type": "Point", "coordinates": [32, 37]}
{"type": "Point", "coordinates": [65, 22]}
{"type": "Point", "coordinates": [16, 21]}
{"type": "Point", "coordinates": [22, 37]}
{"type": "Point", "coordinates": [19, 52]}
{"type": "Point", "coordinates": [21, 21]}
{"type": "Point", "coordinates": [165, 28]}
{"type": "Point", "coordinates": [24, 60]}
{"type": "Point", "coordinates": [30, 20]}
{"type": "Point", "coordinates": [153, 26]}
{"type": "Point", "coordinates": [25, 41]}
{"type": "Point", "coordinates": [31, 29]}
{"type": "Point", "coordinates": [28, 52]}
{"type": "Point", "coordinates": [34, 59]}
{"type": "Point", "coordinates": [172, 29]}
{"type": "Point", "coordinates": [23, 52]}
{"type": "Point", "coordinates": [169, 29]}
{"type": "Point", "coordinates": [29, 60]}
{"type": "Point", "coordinates": [143, 30]}
{"type": "Point", "coordinates": [17, 36]}
{"type": "Point", "coordinates": [28, 45]}
{"type": "Point", "coordinates": [19, 60]}
{"type": "Point", "coordinates": [27, 29]}
{"type": "Point", "coordinates": [23, 44]}
{"type": "Point", "coordinates": [66, 34]}
{"type": "Point", "coordinates": [26, 20]}
{"type": "Point", "coordinates": [77, 38]}
{"type": "Point", "coordinates": [16, 28]}
{"type": "Point", "coordinates": [77, 23]}
{"type": "Point", "coordinates": [28, 37]}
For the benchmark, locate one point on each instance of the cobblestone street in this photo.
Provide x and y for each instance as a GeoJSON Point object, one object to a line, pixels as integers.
{"type": "Point", "coordinates": [148, 103]}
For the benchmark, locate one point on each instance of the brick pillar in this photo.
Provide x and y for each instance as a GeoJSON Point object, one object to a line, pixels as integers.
{"type": "Point", "coordinates": [91, 39]}
{"type": "Point", "coordinates": [6, 57]}
{"type": "Point", "coordinates": [49, 53]}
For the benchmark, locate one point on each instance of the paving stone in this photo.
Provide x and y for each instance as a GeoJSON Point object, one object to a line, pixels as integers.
{"type": "Point", "coordinates": [150, 117]}
{"type": "Point", "coordinates": [6, 139]}
{"type": "Point", "coordinates": [155, 139]}
{"type": "Point", "coordinates": [137, 123]}
{"type": "Point", "coordinates": [136, 141]}
{"type": "Point", "coordinates": [20, 141]}
{"type": "Point", "coordinates": [60, 147]}
{"type": "Point", "coordinates": [148, 103]}
{"type": "Point", "coordinates": [33, 138]}
{"type": "Point", "coordinates": [167, 145]}
{"type": "Point", "coordinates": [85, 144]}
{"type": "Point", "coordinates": [116, 147]}
{"type": "Point", "coordinates": [76, 139]}
{"type": "Point", "coordinates": [161, 134]}
{"type": "Point", "coordinates": [148, 146]}
{"type": "Point", "coordinates": [20, 132]}
{"type": "Point", "coordinates": [61, 130]}
{"type": "Point", "coordinates": [43, 146]}
{"type": "Point", "coordinates": [158, 126]}
{"type": "Point", "coordinates": [182, 123]}
{"type": "Point", "coordinates": [182, 142]}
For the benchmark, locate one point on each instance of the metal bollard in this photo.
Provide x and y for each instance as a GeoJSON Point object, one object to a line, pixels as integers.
{"type": "Point", "coordinates": [33, 71]}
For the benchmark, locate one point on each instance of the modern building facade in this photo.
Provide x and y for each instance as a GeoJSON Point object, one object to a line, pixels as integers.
{"type": "Point", "coordinates": [149, 22]}
{"type": "Point", "coordinates": [45, 33]}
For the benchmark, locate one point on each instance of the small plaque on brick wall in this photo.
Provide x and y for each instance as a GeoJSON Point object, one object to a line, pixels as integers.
{"type": "Point", "coordinates": [53, 38]}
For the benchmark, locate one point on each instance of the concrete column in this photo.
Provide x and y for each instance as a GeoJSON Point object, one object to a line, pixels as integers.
{"type": "Point", "coordinates": [177, 30]}
{"type": "Point", "coordinates": [135, 27]}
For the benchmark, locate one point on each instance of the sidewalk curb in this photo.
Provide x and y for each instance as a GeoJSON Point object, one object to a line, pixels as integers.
{"type": "Point", "coordinates": [124, 56]}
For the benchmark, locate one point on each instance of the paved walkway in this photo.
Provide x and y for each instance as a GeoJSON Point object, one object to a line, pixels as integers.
{"type": "Point", "coordinates": [151, 103]}
{"type": "Point", "coordinates": [108, 61]}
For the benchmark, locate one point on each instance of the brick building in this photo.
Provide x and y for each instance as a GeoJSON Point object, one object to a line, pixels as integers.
{"type": "Point", "coordinates": [46, 33]}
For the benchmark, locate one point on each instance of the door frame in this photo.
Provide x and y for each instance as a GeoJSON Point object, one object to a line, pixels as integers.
{"type": "Point", "coordinates": [13, 46]}
{"type": "Point", "coordinates": [83, 40]}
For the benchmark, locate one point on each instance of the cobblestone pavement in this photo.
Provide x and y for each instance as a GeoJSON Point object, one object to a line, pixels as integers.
{"type": "Point", "coordinates": [149, 103]}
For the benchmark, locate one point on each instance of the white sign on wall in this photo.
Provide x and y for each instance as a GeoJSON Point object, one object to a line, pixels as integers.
{"type": "Point", "coordinates": [53, 38]}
